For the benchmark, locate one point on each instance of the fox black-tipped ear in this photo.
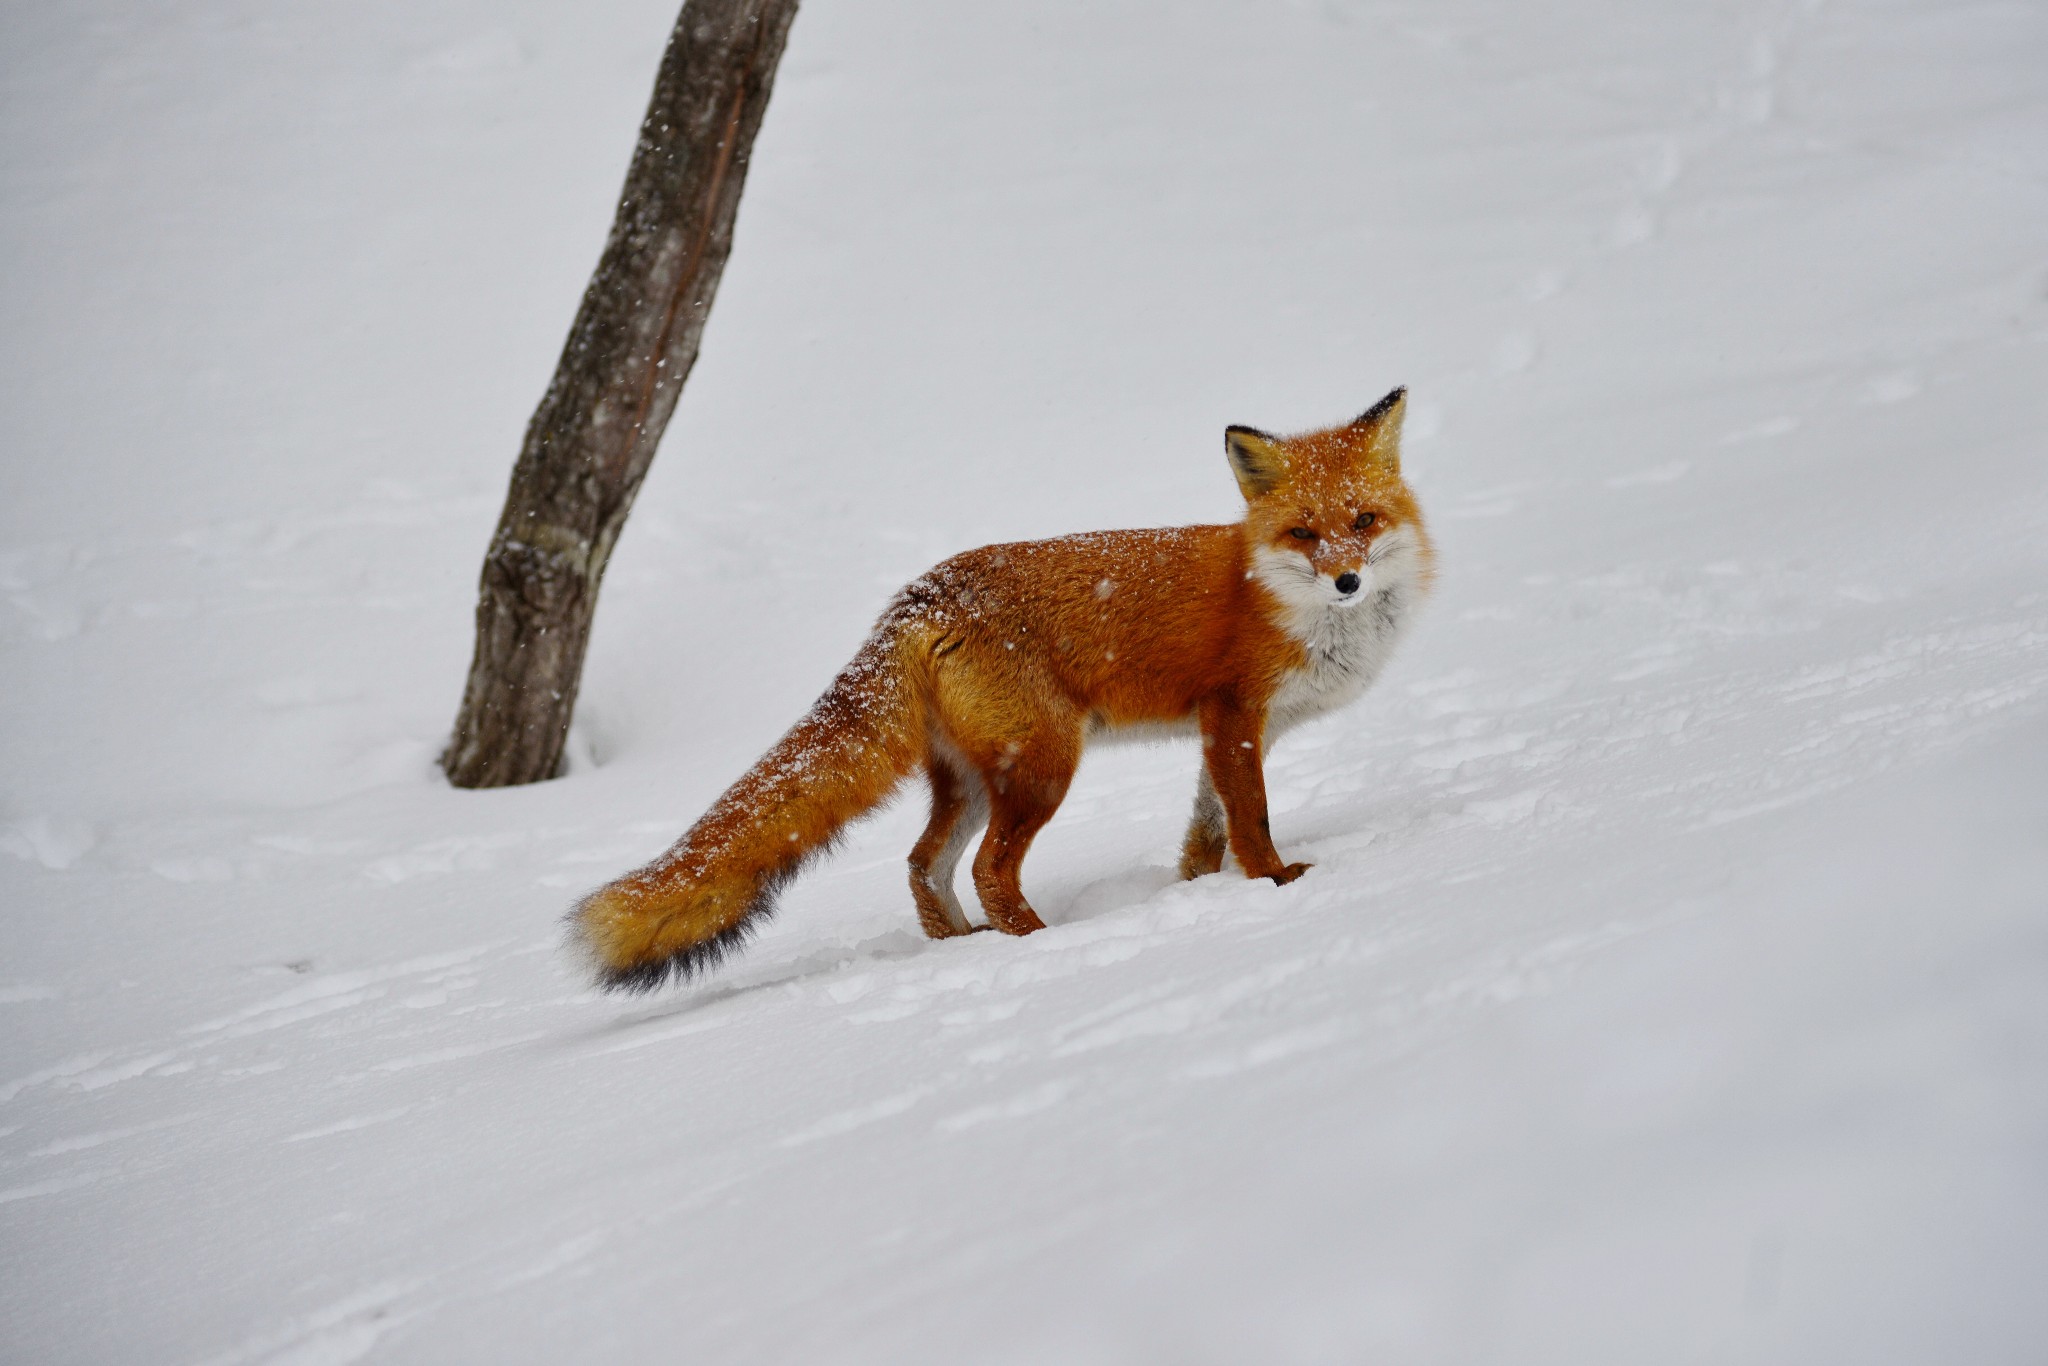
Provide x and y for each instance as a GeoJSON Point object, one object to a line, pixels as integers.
{"type": "Point", "coordinates": [1376, 432]}
{"type": "Point", "coordinates": [1390, 406]}
{"type": "Point", "coordinates": [1256, 460]}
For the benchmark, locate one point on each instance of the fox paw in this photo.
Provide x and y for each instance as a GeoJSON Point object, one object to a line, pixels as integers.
{"type": "Point", "coordinates": [1289, 873]}
{"type": "Point", "coordinates": [1023, 920]}
{"type": "Point", "coordinates": [1201, 853]}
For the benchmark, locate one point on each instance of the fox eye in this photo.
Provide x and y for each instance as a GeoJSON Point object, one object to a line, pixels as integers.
{"type": "Point", "coordinates": [1365, 519]}
{"type": "Point", "coordinates": [1302, 533]}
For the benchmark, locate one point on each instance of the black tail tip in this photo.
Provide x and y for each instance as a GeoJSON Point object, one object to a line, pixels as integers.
{"type": "Point", "coordinates": [684, 965]}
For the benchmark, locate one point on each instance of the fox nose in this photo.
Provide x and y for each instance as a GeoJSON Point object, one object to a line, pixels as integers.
{"type": "Point", "coordinates": [1347, 583]}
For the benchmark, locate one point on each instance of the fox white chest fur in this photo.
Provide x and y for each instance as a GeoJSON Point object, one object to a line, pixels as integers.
{"type": "Point", "coordinates": [1348, 638]}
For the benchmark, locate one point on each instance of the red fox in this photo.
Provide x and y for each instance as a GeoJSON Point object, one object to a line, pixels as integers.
{"type": "Point", "coordinates": [990, 672]}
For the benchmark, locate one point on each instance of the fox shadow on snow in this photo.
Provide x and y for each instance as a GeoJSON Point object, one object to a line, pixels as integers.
{"type": "Point", "coordinates": [1090, 901]}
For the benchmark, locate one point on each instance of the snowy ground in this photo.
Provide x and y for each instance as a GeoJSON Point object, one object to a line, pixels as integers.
{"type": "Point", "coordinates": [1672, 984]}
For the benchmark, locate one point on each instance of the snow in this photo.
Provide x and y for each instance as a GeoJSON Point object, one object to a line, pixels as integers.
{"type": "Point", "coordinates": [1672, 982]}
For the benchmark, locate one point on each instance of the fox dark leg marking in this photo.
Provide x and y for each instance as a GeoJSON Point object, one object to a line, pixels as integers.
{"type": "Point", "coordinates": [959, 810]}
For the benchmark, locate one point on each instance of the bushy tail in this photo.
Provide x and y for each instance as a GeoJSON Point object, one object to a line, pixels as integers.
{"type": "Point", "coordinates": [700, 901]}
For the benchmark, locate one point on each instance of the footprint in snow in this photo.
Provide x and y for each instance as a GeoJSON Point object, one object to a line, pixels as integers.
{"type": "Point", "coordinates": [56, 844]}
{"type": "Point", "coordinates": [1669, 472]}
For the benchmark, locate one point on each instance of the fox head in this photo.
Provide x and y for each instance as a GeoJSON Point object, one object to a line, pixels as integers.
{"type": "Point", "coordinates": [1328, 519]}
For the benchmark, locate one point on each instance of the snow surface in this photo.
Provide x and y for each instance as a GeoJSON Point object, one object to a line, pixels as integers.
{"type": "Point", "coordinates": [1672, 984]}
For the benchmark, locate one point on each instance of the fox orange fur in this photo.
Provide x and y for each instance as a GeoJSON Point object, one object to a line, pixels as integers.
{"type": "Point", "coordinates": [989, 674]}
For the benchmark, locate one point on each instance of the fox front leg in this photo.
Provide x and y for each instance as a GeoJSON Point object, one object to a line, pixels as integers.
{"type": "Point", "coordinates": [1208, 836]}
{"type": "Point", "coordinates": [1231, 744]}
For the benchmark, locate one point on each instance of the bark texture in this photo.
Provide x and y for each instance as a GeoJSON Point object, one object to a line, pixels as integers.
{"type": "Point", "coordinates": [594, 434]}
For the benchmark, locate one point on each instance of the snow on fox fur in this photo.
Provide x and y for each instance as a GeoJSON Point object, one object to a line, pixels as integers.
{"type": "Point", "coordinates": [991, 672]}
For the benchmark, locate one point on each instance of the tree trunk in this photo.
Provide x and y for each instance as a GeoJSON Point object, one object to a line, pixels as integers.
{"type": "Point", "coordinates": [594, 433]}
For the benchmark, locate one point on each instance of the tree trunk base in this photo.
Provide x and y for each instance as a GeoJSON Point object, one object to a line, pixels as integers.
{"type": "Point", "coordinates": [632, 345]}
{"type": "Point", "coordinates": [532, 626]}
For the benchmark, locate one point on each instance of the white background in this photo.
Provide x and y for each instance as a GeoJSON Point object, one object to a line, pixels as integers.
{"type": "Point", "coordinates": [1672, 983]}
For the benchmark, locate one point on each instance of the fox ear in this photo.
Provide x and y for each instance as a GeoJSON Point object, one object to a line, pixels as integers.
{"type": "Point", "coordinates": [1256, 459]}
{"type": "Point", "coordinates": [1376, 433]}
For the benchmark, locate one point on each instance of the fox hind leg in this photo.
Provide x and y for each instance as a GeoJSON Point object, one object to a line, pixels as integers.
{"type": "Point", "coordinates": [1012, 826]}
{"type": "Point", "coordinates": [1024, 792]}
{"type": "Point", "coordinates": [959, 811]}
